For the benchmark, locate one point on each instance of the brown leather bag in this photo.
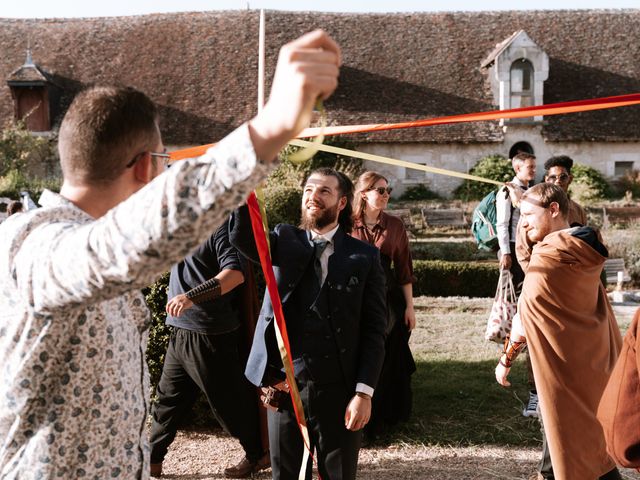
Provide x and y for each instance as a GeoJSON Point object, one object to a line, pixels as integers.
{"type": "Point", "coordinates": [619, 410]}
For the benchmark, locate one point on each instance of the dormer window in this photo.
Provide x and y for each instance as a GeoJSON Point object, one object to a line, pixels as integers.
{"type": "Point", "coordinates": [32, 92]}
{"type": "Point", "coordinates": [517, 68]}
{"type": "Point", "coordinates": [521, 83]}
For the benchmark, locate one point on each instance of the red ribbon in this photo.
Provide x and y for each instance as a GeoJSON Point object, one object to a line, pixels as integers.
{"type": "Point", "coordinates": [262, 245]}
{"type": "Point", "coordinates": [524, 112]}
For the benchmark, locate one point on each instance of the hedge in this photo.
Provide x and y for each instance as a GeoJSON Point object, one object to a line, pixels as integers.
{"type": "Point", "coordinates": [449, 251]}
{"type": "Point", "coordinates": [438, 278]}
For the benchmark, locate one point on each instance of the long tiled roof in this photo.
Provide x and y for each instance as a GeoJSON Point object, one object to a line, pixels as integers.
{"type": "Point", "coordinates": [202, 67]}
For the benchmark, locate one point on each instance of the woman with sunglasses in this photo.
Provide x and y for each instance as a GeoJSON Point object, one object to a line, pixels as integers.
{"type": "Point", "coordinates": [392, 398]}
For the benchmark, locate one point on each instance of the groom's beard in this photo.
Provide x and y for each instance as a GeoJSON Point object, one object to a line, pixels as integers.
{"type": "Point", "coordinates": [318, 219]}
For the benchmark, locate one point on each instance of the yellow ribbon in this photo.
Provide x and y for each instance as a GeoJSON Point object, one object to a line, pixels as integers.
{"type": "Point", "coordinates": [391, 161]}
{"type": "Point", "coordinates": [313, 147]}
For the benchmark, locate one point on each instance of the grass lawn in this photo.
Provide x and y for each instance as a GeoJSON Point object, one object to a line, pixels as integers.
{"type": "Point", "coordinates": [457, 401]}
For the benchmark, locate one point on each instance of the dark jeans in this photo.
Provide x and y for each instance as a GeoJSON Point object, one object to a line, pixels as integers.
{"type": "Point", "coordinates": [516, 270]}
{"type": "Point", "coordinates": [209, 363]}
{"type": "Point", "coordinates": [336, 447]}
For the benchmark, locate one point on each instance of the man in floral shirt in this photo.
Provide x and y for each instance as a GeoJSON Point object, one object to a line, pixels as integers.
{"type": "Point", "coordinates": [73, 324]}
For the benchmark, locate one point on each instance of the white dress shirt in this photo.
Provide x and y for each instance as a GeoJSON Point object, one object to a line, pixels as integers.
{"type": "Point", "coordinates": [504, 215]}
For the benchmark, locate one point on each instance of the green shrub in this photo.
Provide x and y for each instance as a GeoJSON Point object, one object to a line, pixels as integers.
{"type": "Point", "coordinates": [156, 297]}
{"type": "Point", "coordinates": [588, 185]}
{"type": "Point", "coordinates": [293, 175]}
{"type": "Point", "coordinates": [419, 192]}
{"type": "Point", "coordinates": [283, 205]}
{"type": "Point", "coordinates": [15, 181]}
{"type": "Point", "coordinates": [495, 167]}
{"type": "Point", "coordinates": [19, 147]}
{"type": "Point", "coordinates": [23, 156]}
{"type": "Point", "coordinates": [448, 251]}
{"type": "Point", "coordinates": [442, 279]}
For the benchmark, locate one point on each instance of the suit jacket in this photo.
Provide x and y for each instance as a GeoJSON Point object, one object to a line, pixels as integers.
{"type": "Point", "coordinates": [356, 286]}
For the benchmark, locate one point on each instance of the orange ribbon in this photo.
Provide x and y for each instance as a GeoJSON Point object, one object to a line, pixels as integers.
{"type": "Point", "coordinates": [260, 232]}
{"type": "Point", "coordinates": [542, 110]}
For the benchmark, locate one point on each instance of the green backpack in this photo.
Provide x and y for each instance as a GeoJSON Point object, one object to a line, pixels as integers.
{"type": "Point", "coordinates": [483, 222]}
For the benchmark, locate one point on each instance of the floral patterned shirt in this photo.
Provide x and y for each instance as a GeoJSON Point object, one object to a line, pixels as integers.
{"type": "Point", "coordinates": [73, 323]}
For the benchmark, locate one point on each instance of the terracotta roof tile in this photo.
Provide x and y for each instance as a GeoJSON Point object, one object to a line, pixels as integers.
{"type": "Point", "coordinates": [202, 67]}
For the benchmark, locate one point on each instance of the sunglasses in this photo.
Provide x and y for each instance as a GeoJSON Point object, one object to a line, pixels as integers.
{"type": "Point", "coordinates": [381, 190]}
{"type": "Point", "coordinates": [563, 177]}
{"type": "Point", "coordinates": [164, 156]}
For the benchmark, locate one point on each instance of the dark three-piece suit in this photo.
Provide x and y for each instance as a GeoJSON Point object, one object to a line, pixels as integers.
{"type": "Point", "coordinates": [336, 333]}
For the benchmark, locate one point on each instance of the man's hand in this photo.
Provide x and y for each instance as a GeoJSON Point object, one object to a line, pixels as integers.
{"type": "Point", "coordinates": [178, 304]}
{"type": "Point", "coordinates": [307, 69]}
{"type": "Point", "coordinates": [505, 261]}
{"type": "Point", "coordinates": [358, 412]}
{"type": "Point", "coordinates": [502, 373]}
{"type": "Point", "coordinates": [410, 317]}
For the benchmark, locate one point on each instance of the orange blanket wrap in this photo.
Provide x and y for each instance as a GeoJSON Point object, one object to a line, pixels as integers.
{"type": "Point", "coordinates": [574, 341]}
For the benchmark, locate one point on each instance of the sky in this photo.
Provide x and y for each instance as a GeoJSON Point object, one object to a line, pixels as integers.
{"type": "Point", "coordinates": [101, 8]}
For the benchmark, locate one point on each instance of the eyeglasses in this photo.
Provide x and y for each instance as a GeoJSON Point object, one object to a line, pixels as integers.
{"type": "Point", "coordinates": [164, 156]}
{"type": "Point", "coordinates": [563, 177]}
{"type": "Point", "coordinates": [381, 190]}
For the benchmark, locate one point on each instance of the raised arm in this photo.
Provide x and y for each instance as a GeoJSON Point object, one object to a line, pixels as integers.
{"type": "Point", "coordinates": [143, 236]}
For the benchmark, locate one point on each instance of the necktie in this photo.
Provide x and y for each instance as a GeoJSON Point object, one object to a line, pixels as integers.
{"type": "Point", "coordinates": [319, 245]}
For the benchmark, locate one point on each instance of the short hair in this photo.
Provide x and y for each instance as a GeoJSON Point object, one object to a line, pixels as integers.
{"type": "Point", "coordinates": [522, 157]}
{"type": "Point", "coordinates": [345, 186]}
{"type": "Point", "coordinates": [103, 130]}
{"type": "Point", "coordinates": [15, 206]}
{"type": "Point", "coordinates": [559, 161]}
{"type": "Point", "coordinates": [549, 193]}
{"type": "Point", "coordinates": [365, 181]}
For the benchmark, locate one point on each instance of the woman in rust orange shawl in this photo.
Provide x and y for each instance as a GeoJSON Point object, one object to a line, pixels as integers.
{"type": "Point", "coordinates": [571, 333]}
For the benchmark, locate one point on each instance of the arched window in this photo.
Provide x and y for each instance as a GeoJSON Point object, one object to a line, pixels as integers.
{"type": "Point", "coordinates": [521, 83]}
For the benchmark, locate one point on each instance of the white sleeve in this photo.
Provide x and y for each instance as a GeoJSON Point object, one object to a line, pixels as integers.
{"type": "Point", "coordinates": [66, 263]}
{"type": "Point", "coordinates": [503, 218]}
{"type": "Point", "coordinates": [517, 329]}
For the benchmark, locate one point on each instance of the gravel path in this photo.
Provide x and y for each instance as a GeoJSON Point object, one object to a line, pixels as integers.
{"type": "Point", "coordinates": [204, 455]}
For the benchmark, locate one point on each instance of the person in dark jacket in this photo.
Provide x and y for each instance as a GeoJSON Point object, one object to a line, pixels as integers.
{"type": "Point", "coordinates": [333, 294]}
{"type": "Point", "coordinates": [203, 355]}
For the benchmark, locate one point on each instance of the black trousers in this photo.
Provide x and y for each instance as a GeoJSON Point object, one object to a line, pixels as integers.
{"type": "Point", "coordinates": [393, 398]}
{"type": "Point", "coordinates": [336, 448]}
{"type": "Point", "coordinates": [209, 363]}
{"type": "Point", "coordinates": [516, 270]}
